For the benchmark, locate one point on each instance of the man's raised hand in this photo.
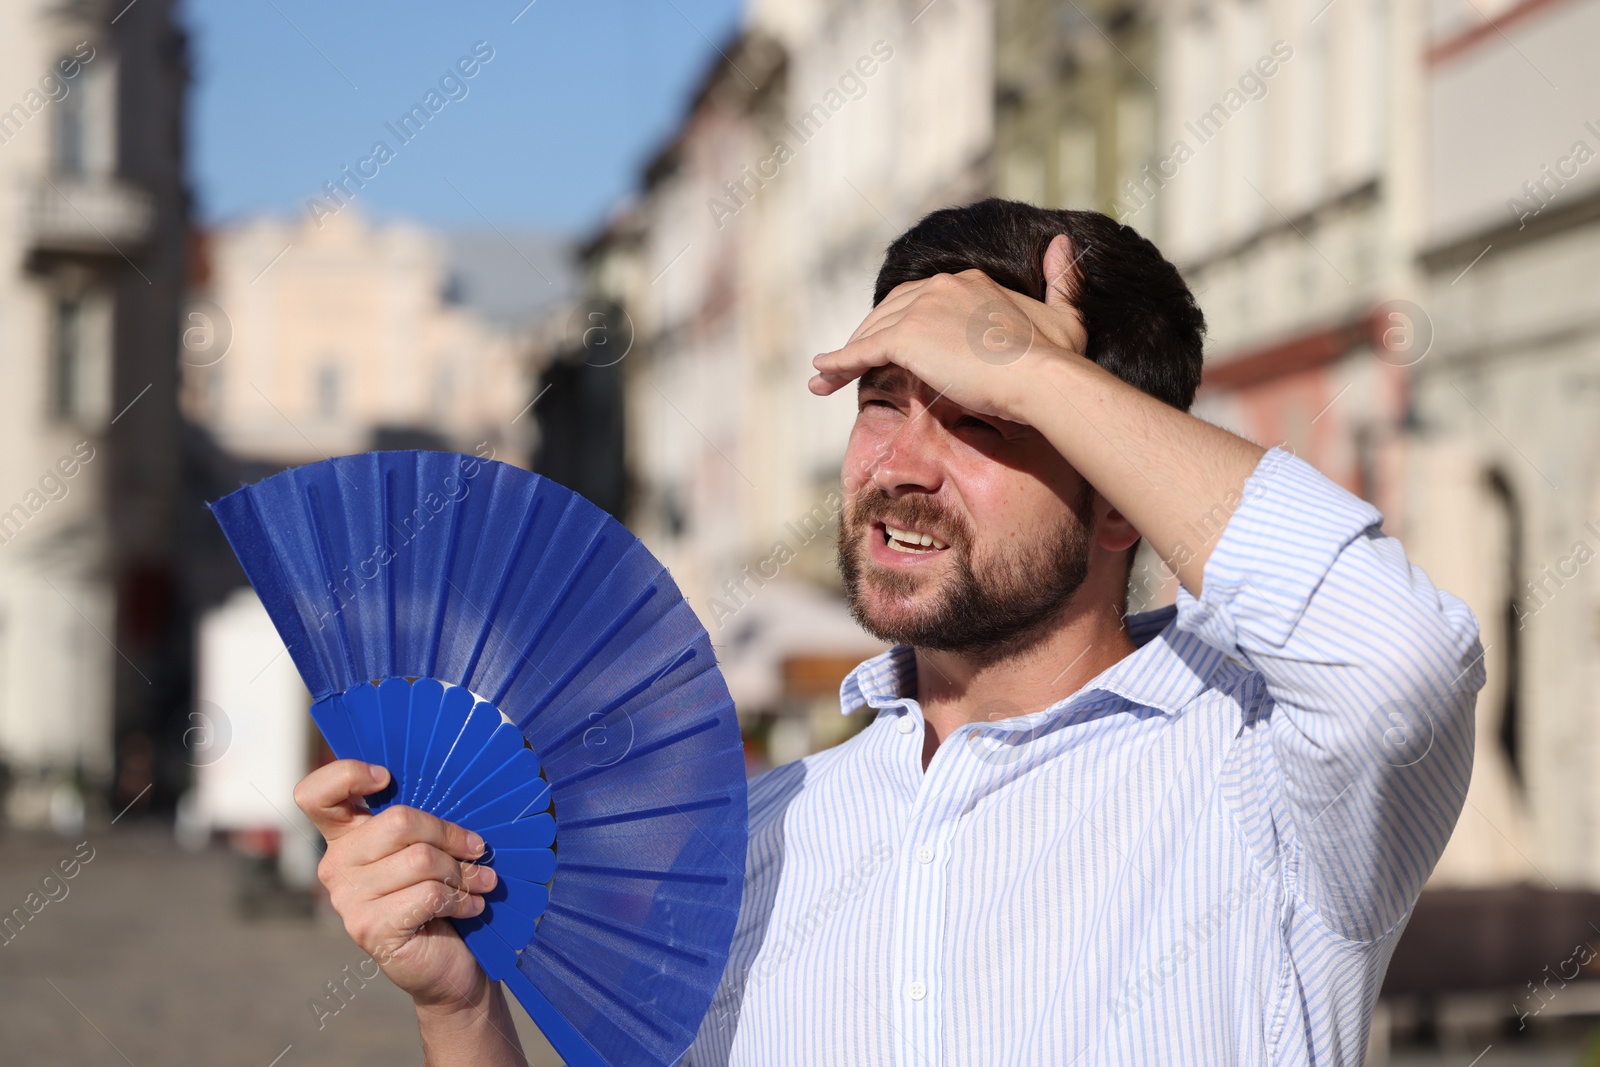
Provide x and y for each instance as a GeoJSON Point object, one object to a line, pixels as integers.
{"type": "Point", "coordinates": [967, 336]}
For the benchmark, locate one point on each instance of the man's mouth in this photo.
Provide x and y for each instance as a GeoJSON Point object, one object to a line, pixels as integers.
{"type": "Point", "coordinates": [912, 542]}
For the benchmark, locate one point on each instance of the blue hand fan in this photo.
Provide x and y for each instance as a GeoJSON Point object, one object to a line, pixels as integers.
{"type": "Point", "coordinates": [524, 667]}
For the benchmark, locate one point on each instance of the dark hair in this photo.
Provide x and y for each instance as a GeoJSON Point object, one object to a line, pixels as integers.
{"type": "Point", "coordinates": [1143, 323]}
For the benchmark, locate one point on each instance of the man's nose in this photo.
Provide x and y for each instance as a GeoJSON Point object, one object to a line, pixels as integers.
{"type": "Point", "coordinates": [912, 459]}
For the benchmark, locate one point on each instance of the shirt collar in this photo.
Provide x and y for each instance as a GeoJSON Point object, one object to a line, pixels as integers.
{"type": "Point", "coordinates": [1168, 668]}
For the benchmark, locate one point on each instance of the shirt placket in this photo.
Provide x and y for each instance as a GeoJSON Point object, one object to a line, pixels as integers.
{"type": "Point", "coordinates": [922, 888]}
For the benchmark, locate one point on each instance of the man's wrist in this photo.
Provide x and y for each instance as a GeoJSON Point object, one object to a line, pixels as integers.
{"type": "Point", "coordinates": [1051, 372]}
{"type": "Point", "coordinates": [468, 1002]}
{"type": "Point", "coordinates": [476, 1028]}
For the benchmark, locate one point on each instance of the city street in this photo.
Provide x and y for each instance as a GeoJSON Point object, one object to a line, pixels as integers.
{"type": "Point", "coordinates": [144, 959]}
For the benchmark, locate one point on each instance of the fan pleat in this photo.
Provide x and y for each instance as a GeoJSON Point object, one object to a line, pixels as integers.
{"type": "Point", "coordinates": [587, 919]}
{"type": "Point", "coordinates": [628, 1009]}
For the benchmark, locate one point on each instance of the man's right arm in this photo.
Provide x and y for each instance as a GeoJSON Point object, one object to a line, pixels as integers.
{"type": "Point", "coordinates": [395, 878]}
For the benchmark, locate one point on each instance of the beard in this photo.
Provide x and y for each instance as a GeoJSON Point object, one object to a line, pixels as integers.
{"type": "Point", "coordinates": [987, 610]}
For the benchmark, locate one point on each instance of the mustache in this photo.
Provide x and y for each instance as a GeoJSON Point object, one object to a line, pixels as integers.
{"type": "Point", "coordinates": [912, 513]}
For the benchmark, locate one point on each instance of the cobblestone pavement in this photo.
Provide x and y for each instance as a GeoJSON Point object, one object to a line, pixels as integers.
{"type": "Point", "coordinates": [146, 960]}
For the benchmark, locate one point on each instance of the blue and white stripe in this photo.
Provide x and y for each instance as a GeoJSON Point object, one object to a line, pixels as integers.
{"type": "Point", "coordinates": [1205, 856]}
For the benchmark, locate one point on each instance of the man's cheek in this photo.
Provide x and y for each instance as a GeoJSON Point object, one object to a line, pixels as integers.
{"type": "Point", "coordinates": [861, 461]}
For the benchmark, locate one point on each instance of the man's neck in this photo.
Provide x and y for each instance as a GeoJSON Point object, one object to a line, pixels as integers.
{"type": "Point", "coordinates": [954, 689]}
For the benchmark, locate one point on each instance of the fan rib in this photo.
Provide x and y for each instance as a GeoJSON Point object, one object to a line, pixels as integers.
{"type": "Point", "coordinates": [632, 935]}
{"type": "Point", "coordinates": [692, 877]}
{"type": "Point", "coordinates": [491, 752]}
{"type": "Point", "coordinates": [441, 734]}
{"type": "Point", "coordinates": [442, 761]}
{"type": "Point", "coordinates": [590, 549]}
{"type": "Point", "coordinates": [631, 1010]}
{"type": "Point", "coordinates": [648, 813]}
{"type": "Point", "coordinates": [634, 753]}
{"type": "Point", "coordinates": [628, 694]}
{"type": "Point", "coordinates": [580, 663]}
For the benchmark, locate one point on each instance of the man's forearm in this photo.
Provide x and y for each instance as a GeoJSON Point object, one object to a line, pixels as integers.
{"type": "Point", "coordinates": [480, 1034]}
{"type": "Point", "coordinates": [1175, 477]}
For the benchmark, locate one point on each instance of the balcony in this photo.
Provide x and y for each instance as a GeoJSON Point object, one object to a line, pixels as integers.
{"type": "Point", "coordinates": [79, 217]}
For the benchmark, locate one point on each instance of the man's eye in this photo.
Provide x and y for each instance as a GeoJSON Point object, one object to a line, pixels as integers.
{"type": "Point", "coordinates": [870, 403]}
{"type": "Point", "coordinates": [968, 420]}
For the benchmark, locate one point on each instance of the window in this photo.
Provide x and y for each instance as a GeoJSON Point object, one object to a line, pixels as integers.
{"type": "Point", "coordinates": [70, 147]}
{"type": "Point", "coordinates": [79, 367]}
{"type": "Point", "coordinates": [67, 357]}
{"type": "Point", "coordinates": [83, 136]}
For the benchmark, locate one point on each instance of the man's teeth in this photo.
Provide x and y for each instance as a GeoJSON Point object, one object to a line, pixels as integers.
{"type": "Point", "coordinates": [897, 538]}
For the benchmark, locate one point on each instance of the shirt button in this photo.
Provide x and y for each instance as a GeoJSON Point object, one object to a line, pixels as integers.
{"type": "Point", "coordinates": [917, 990]}
{"type": "Point", "coordinates": [924, 854]}
{"type": "Point", "coordinates": [906, 724]}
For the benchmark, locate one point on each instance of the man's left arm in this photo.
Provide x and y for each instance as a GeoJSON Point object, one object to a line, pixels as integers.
{"type": "Point", "coordinates": [1372, 670]}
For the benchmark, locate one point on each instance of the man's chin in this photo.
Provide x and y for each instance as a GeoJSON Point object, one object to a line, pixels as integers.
{"type": "Point", "coordinates": [898, 619]}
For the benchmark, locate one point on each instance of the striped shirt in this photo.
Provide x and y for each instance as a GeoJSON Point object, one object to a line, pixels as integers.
{"type": "Point", "coordinates": [1203, 856]}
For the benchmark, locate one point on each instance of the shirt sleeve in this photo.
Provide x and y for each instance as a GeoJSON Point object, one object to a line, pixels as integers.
{"type": "Point", "coordinates": [1371, 677]}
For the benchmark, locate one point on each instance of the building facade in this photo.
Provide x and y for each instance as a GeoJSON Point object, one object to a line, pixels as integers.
{"type": "Point", "coordinates": [1507, 404]}
{"type": "Point", "coordinates": [820, 134]}
{"type": "Point", "coordinates": [93, 638]}
{"type": "Point", "coordinates": [321, 337]}
{"type": "Point", "coordinates": [1293, 163]}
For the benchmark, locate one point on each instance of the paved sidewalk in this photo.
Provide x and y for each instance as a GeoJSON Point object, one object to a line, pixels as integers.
{"type": "Point", "coordinates": [146, 960]}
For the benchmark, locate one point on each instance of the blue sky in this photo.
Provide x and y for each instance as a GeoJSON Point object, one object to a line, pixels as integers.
{"type": "Point", "coordinates": [549, 136]}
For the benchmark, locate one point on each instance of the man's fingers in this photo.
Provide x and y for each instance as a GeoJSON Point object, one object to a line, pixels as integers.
{"type": "Point", "coordinates": [836, 369]}
{"type": "Point", "coordinates": [896, 300]}
{"type": "Point", "coordinates": [420, 863]}
{"type": "Point", "coordinates": [330, 795]}
{"type": "Point", "coordinates": [1060, 267]}
{"type": "Point", "coordinates": [392, 920]}
{"type": "Point", "coordinates": [432, 900]}
{"type": "Point", "coordinates": [827, 384]}
{"type": "Point", "coordinates": [400, 826]}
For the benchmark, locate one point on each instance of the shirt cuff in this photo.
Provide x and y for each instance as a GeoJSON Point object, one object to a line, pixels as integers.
{"type": "Point", "coordinates": [1290, 524]}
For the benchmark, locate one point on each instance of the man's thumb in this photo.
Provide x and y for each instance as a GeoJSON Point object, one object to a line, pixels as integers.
{"type": "Point", "coordinates": [1060, 265]}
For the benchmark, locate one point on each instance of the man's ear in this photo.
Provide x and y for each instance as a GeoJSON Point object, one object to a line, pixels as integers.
{"type": "Point", "coordinates": [1060, 265]}
{"type": "Point", "coordinates": [1116, 533]}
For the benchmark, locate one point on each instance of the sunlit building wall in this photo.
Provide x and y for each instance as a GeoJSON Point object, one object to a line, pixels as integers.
{"type": "Point", "coordinates": [312, 338]}
{"type": "Point", "coordinates": [92, 640]}
{"type": "Point", "coordinates": [1507, 409]}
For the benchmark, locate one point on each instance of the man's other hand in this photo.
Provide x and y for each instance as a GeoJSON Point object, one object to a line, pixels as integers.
{"type": "Point", "coordinates": [394, 878]}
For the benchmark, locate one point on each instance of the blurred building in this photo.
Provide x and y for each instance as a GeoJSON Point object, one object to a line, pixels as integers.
{"type": "Point", "coordinates": [821, 133]}
{"type": "Point", "coordinates": [93, 641]}
{"type": "Point", "coordinates": [312, 339]}
{"type": "Point", "coordinates": [1075, 112]}
{"type": "Point", "coordinates": [1507, 405]}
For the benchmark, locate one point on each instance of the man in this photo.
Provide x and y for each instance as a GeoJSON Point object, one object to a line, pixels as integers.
{"type": "Point", "coordinates": [1188, 836]}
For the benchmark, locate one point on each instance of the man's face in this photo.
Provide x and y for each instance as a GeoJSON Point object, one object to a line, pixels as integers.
{"type": "Point", "coordinates": [1012, 515]}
